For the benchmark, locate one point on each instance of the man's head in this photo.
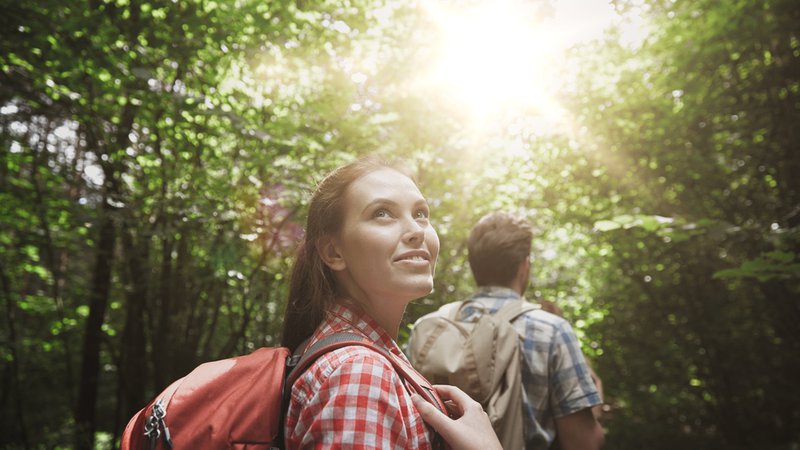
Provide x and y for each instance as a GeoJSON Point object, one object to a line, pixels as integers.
{"type": "Point", "coordinates": [499, 246]}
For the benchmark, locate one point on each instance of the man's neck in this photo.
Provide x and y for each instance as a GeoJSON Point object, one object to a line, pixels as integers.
{"type": "Point", "coordinates": [499, 286]}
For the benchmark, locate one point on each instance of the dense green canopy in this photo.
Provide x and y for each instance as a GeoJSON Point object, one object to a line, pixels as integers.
{"type": "Point", "coordinates": [156, 157]}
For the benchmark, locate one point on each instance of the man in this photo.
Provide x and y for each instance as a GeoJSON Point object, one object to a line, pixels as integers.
{"type": "Point", "coordinates": [558, 391]}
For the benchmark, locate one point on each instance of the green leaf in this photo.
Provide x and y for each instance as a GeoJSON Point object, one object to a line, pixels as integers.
{"type": "Point", "coordinates": [649, 223]}
{"type": "Point", "coordinates": [82, 310]}
{"type": "Point", "coordinates": [606, 225]}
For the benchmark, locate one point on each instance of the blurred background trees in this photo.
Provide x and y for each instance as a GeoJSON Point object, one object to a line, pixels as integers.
{"type": "Point", "coordinates": [156, 157]}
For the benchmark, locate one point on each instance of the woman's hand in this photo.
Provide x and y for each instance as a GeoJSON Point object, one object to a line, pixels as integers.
{"type": "Point", "coordinates": [471, 428]}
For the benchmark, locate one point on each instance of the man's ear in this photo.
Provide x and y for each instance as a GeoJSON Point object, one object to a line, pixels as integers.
{"type": "Point", "coordinates": [524, 269]}
{"type": "Point", "coordinates": [523, 275]}
{"type": "Point", "coordinates": [330, 254]}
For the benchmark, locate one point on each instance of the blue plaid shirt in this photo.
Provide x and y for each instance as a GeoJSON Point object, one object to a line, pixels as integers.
{"type": "Point", "coordinates": [555, 378]}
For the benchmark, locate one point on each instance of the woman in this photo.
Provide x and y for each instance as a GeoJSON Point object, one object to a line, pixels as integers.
{"type": "Point", "coordinates": [368, 251]}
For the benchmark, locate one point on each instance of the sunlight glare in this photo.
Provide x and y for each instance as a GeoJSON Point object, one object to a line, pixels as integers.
{"type": "Point", "coordinates": [494, 56]}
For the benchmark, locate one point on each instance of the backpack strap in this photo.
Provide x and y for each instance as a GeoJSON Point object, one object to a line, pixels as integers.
{"type": "Point", "coordinates": [302, 359]}
{"type": "Point", "coordinates": [514, 309]}
{"type": "Point", "coordinates": [451, 310]}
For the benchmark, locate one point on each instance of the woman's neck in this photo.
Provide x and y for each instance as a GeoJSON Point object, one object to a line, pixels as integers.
{"type": "Point", "coordinates": [388, 315]}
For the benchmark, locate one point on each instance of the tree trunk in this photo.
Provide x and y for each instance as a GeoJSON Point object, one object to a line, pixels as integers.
{"type": "Point", "coordinates": [93, 334]}
{"type": "Point", "coordinates": [133, 362]}
{"type": "Point", "coordinates": [15, 390]}
{"type": "Point", "coordinates": [161, 338]}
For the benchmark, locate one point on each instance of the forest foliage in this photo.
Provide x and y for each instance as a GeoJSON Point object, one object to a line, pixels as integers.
{"type": "Point", "coordinates": [156, 157]}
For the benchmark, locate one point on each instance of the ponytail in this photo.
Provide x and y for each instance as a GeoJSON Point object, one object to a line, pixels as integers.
{"type": "Point", "coordinates": [310, 294]}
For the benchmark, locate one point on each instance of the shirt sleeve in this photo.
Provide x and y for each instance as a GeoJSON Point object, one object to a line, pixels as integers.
{"type": "Point", "coordinates": [353, 403]}
{"type": "Point", "coordinates": [572, 387]}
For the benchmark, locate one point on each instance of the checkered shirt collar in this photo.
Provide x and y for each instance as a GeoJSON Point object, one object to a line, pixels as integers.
{"type": "Point", "coordinates": [344, 317]}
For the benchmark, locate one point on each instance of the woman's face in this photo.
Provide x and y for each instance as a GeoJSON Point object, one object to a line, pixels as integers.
{"type": "Point", "coordinates": [387, 248]}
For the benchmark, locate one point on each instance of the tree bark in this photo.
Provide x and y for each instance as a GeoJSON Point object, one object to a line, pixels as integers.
{"type": "Point", "coordinates": [16, 390]}
{"type": "Point", "coordinates": [133, 362]}
{"type": "Point", "coordinates": [85, 422]}
{"type": "Point", "coordinates": [160, 354]}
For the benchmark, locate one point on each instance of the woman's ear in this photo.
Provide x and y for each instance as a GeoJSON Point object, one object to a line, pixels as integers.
{"type": "Point", "coordinates": [330, 254]}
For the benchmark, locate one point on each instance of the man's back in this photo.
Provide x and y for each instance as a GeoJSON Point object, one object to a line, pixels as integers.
{"type": "Point", "coordinates": [558, 391]}
{"type": "Point", "coordinates": [556, 380]}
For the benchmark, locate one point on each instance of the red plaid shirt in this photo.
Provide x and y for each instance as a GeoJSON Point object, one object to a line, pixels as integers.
{"type": "Point", "coordinates": [352, 397]}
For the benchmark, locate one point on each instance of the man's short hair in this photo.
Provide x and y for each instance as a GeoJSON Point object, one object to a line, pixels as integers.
{"type": "Point", "coordinates": [497, 245]}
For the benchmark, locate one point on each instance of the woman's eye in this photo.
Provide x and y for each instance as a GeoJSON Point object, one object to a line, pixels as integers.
{"type": "Point", "coordinates": [380, 213]}
{"type": "Point", "coordinates": [421, 214]}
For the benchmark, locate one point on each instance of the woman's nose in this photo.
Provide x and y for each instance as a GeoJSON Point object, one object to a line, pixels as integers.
{"type": "Point", "coordinates": [414, 233]}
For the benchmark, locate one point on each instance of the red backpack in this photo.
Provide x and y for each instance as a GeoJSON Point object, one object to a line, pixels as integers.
{"type": "Point", "coordinates": [241, 402]}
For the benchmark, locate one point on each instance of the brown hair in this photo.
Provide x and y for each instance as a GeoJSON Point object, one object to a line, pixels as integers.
{"type": "Point", "coordinates": [312, 287]}
{"type": "Point", "coordinates": [497, 245]}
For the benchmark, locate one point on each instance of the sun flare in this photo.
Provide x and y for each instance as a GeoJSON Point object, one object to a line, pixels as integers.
{"type": "Point", "coordinates": [493, 56]}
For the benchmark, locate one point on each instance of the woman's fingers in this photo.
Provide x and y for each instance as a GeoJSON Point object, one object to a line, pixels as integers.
{"type": "Point", "coordinates": [469, 430]}
{"type": "Point", "coordinates": [448, 392]}
{"type": "Point", "coordinates": [457, 400]}
{"type": "Point", "coordinates": [431, 414]}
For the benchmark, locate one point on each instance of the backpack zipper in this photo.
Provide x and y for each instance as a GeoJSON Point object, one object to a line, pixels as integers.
{"type": "Point", "coordinates": [155, 423]}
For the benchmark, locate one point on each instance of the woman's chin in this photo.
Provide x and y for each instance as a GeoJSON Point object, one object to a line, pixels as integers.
{"type": "Point", "coordinates": [421, 290]}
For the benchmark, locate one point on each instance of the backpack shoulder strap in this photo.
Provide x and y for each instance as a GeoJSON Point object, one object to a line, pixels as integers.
{"type": "Point", "coordinates": [302, 360]}
{"type": "Point", "coordinates": [450, 310]}
{"type": "Point", "coordinates": [339, 340]}
{"type": "Point", "coordinates": [514, 309]}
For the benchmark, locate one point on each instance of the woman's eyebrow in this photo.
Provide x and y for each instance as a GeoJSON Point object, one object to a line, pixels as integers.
{"type": "Point", "coordinates": [380, 201]}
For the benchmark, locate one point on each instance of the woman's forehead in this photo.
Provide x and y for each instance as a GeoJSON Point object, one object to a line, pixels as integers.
{"type": "Point", "coordinates": [381, 183]}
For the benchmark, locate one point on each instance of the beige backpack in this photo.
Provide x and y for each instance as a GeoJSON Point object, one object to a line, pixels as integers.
{"type": "Point", "coordinates": [481, 357]}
